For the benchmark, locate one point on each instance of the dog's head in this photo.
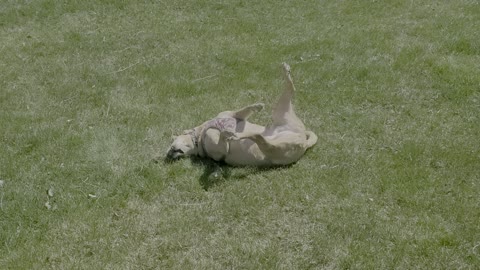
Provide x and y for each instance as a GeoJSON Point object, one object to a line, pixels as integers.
{"type": "Point", "coordinates": [183, 145]}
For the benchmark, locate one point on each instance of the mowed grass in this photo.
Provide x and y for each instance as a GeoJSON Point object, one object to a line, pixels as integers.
{"type": "Point", "coordinates": [92, 91]}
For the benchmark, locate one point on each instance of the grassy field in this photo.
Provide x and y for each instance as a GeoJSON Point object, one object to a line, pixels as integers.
{"type": "Point", "coordinates": [92, 91]}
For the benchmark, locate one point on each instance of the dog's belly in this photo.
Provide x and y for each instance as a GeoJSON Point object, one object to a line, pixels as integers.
{"type": "Point", "coordinates": [245, 153]}
{"type": "Point", "coordinates": [236, 153]}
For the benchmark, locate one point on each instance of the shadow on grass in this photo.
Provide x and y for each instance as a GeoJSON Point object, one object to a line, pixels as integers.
{"type": "Point", "coordinates": [215, 173]}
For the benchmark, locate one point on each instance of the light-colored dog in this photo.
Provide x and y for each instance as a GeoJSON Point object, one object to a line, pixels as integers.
{"type": "Point", "coordinates": [231, 138]}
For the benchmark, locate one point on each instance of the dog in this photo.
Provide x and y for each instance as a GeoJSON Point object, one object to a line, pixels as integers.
{"type": "Point", "coordinates": [231, 138]}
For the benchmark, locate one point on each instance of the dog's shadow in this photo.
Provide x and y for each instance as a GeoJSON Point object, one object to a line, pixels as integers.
{"type": "Point", "coordinates": [216, 173]}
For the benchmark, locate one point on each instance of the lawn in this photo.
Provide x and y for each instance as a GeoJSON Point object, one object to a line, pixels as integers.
{"type": "Point", "coordinates": [92, 91]}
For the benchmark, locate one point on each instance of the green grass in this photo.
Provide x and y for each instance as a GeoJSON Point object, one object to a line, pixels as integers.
{"type": "Point", "coordinates": [91, 91]}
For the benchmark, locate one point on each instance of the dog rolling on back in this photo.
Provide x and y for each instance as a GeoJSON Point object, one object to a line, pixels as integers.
{"type": "Point", "coordinates": [230, 137]}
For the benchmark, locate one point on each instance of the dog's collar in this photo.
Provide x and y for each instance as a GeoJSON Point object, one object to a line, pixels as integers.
{"type": "Point", "coordinates": [193, 135]}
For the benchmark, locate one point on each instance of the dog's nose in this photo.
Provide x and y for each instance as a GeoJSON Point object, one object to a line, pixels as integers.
{"type": "Point", "coordinates": [174, 153]}
{"type": "Point", "coordinates": [170, 153]}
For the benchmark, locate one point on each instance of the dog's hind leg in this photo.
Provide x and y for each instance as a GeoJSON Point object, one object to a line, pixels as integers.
{"type": "Point", "coordinates": [244, 112]}
{"type": "Point", "coordinates": [283, 113]}
{"type": "Point", "coordinates": [265, 145]}
{"type": "Point", "coordinates": [277, 150]}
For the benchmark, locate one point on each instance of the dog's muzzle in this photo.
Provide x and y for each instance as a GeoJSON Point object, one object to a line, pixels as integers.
{"type": "Point", "coordinates": [174, 153]}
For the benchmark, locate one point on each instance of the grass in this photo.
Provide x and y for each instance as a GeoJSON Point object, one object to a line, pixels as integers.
{"type": "Point", "coordinates": [91, 91]}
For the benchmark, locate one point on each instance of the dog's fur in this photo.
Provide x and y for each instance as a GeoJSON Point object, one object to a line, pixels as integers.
{"type": "Point", "coordinates": [231, 138]}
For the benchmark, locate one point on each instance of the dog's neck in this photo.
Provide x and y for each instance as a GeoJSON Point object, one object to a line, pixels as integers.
{"type": "Point", "coordinates": [195, 135]}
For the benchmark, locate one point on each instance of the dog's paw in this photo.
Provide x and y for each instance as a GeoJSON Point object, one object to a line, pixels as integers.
{"type": "Point", "coordinates": [229, 135]}
{"type": "Point", "coordinates": [258, 107]}
{"type": "Point", "coordinates": [232, 138]}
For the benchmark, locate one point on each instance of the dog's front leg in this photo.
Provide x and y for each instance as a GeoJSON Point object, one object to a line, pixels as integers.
{"type": "Point", "coordinates": [245, 112]}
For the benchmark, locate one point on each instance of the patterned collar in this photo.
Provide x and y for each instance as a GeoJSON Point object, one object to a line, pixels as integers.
{"type": "Point", "coordinates": [194, 136]}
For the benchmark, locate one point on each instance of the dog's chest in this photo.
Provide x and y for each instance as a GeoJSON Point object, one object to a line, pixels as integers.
{"type": "Point", "coordinates": [222, 124]}
{"type": "Point", "coordinates": [214, 147]}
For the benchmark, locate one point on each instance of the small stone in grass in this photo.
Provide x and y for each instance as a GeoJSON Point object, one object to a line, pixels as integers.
{"type": "Point", "coordinates": [50, 192]}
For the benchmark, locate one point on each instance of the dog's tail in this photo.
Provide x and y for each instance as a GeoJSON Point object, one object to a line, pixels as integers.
{"type": "Point", "coordinates": [311, 139]}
